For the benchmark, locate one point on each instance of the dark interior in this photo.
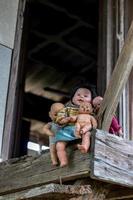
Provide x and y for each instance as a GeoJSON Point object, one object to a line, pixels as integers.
{"type": "Point", "coordinates": [62, 48]}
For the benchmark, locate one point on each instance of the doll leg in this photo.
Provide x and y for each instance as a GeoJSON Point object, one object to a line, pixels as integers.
{"type": "Point", "coordinates": [61, 153]}
{"type": "Point", "coordinates": [53, 154]}
{"type": "Point", "coordinates": [86, 128]}
{"type": "Point", "coordinates": [84, 147]}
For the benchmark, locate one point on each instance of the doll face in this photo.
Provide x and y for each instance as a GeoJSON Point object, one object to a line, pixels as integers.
{"type": "Point", "coordinates": [82, 95]}
{"type": "Point", "coordinates": [97, 102]}
{"type": "Point", "coordinates": [55, 108]}
{"type": "Point", "coordinates": [85, 108]}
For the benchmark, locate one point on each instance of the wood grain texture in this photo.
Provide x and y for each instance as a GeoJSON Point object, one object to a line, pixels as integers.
{"type": "Point", "coordinates": [118, 80]}
{"type": "Point", "coordinates": [50, 191]}
{"type": "Point", "coordinates": [30, 172]}
{"type": "Point", "coordinates": [11, 117]}
{"type": "Point", "coordinates": [112, 159]}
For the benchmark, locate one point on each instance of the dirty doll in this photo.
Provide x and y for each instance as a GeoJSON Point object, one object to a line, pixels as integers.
{"type": "Point", "coordinates": [84, 122]}
{"type": "Point", "coordinates": [51, 128]}
{"type": "Point", "coordinates": [115, 127]}
{"type": "Point", "coordinates": [82, 94]}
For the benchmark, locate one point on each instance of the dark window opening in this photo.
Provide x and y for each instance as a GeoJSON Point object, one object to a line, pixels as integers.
{"type": "Point", "coordinates": [61, 51]}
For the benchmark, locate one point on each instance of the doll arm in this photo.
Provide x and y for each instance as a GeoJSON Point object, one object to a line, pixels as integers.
{"type": "Point", "coordinates": [73, 118]}
{"type": "Point", "coordinates": [94, 122]}
{"type": "Point", "coordinates": [46, 129]}
{"type": "Point", "coordinates": [67, 120]}
{"type": "Point", "coordinates": [116, 126]}
{"type": "Point", "coordinates": [64, 120]}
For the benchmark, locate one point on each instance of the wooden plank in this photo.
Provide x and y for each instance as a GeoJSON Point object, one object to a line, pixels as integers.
{"type": "Point", "coordinates": [14, 92]}
{"type": "Point", "coordinates": [30, 172]}
{"type": "Point", "coordinates": [102, 44]}
{"type": "Point", "coordinates": [50, 192]}
{"type": "Point", "coordinates": [120, 193]}
{"type": "Point", "coordinates": [106, 42]}
{"type": "Point", "coordinates": [112, 159]}
{"type": "Point", "coordinates": [118, 80]}
{"type": "Point", "coordinates": [5, 59]}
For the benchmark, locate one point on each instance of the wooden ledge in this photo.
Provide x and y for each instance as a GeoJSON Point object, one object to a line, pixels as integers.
{"type": "Point", "coordinates": [50, 192]}
{"type": "Point", "coordinates": [29, 172]}
{"type": "Point", "coordinates": [110, 160]}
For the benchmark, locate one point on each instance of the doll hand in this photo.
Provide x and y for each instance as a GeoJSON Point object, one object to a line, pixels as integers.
{"type": "Point", "coordinates": [65, 120]}
{"type": "Point", "coordinates": [120, 133]}
{"type": "Point", "coordinates": [73, 118]}
{"type": "Point", "coordinates": [81, 132]}
{"type": "Point", "coordinates": [77, 134]}
{"type": "Point", "coordinates": [85, 129]}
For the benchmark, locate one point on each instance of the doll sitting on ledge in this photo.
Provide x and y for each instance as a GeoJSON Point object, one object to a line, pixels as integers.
{"type": "Point", "coordinates": [84, 122]}
{"type": "Point", "coordinates": [51, 128]}
{"type": "Point", "coordinates": [115, 127]}
{"type": "Point", "coordinates": [65, 117]}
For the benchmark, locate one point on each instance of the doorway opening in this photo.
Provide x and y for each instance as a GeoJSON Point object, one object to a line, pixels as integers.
{"type": "Point", "coordinates": [62, 48]}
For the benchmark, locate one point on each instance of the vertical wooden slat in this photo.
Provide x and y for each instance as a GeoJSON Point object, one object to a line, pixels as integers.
{"type": "Point", "coordinates": [105, 44]}
{"type": "Point", "coordinates": [128, 20]}
{"type": "Point", "coordinates": [13, 89]}
{"type": "Point", "coordinates": [118, 80]}
{"type": "Point", "coordinates": [5, 62]}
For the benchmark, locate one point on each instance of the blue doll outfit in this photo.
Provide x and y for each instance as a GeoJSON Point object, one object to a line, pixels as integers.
{"type": "Point", "coordinates": [66, 133]}
{"type": "Point", "coordinates": [54, 128]}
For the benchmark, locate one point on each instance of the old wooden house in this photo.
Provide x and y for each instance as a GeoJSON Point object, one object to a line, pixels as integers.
{"type": "Point", "coordinates": [46, 47]}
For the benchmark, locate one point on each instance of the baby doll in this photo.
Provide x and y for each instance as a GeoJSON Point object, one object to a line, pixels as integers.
{"type": "Point", "coordinates": [84, 123]}
{"type": "Point", "coordinates": [115, 128]}
{"type": "Point", "coordinates": [66, 133]}
{"type": "Point", "coordinates": [51, 128]}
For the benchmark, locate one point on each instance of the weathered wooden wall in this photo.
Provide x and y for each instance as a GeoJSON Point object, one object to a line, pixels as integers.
{"type": "Point", "coordinates": [5, 58]}
{"type": "Point", "coordinates": [118, 80]}
{"type": "Point", "coordinates": [15, 88]}
{"type": "Point", "coordinates": [112, 159]}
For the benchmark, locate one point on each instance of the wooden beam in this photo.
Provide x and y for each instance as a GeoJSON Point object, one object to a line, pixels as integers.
{"type": "Point", "coordinates": [12, 114]}
{"type": "Point", "coordinates": [118, 80]}
{"type": "Point", "coordinates": [112, 159]}
{"type": "Point", "coordinates": [106, 43]}
{"type": "Point", "coordinates": [50, 192]}
{"type": "Point", "coordinates": [29, 172]}
{"type": "Point", "coordinates": [99, 189]}
{"type": "Point", "coordinates": [120, 193]}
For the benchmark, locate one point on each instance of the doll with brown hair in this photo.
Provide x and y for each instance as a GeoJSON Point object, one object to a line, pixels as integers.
{"type": "Point", "coordinates": [51, 128]}
{"type": "Point", "coordinates": [115, 127]}
{"type": "Point", "coordinates": [84, 122]}
{"type": "Point", "coordinates": [66, 133]}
